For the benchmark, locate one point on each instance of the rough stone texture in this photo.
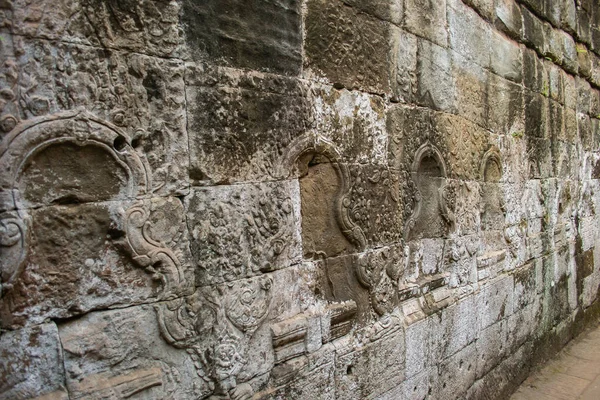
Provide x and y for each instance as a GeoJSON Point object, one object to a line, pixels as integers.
{"type": "Point", "coordinates": [32, 363]}
{"type": "Point", "coordinates": [295, 199]}
{"type": "Point", "coordinates": [257, 35]}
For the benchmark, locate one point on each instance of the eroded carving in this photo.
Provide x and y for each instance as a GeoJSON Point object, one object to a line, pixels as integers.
{"type": "Point", "coordinates": [216, 328]}
{"type": "Point", "coordinates": [152, 228]}
{"type": "Point", "coordinates": [493, 207]}
{"type": "Point", "coordinates": [297, 156]}
{"type": "Point", "coordinates": [78, 130]}
{"type": "Point", "coordinates": [243, 231]}
{"type": "Point", "coordinates": [379, 272]}
{"type": "Point", "coordinates": [431, 215]}
{"type": "Point", "coordinates": [13, 239]}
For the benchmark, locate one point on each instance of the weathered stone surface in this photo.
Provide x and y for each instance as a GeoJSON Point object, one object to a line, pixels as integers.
{"type": "Point", "coordinates": [243, 230]}
{"type": "Point", "coordinates": [392, 11]}
{"type": "Point", "coordinates": [255, 35]}
{"type": "Point", "coordinates": [374, 204]}
{"type": "Point", "coordinates": [379, 199]}
{"type": "Point", "coordinates": [105, 355]}
{"type": "Point", "coordinates": [371, 370]}
{"type": "Point", "coordinates": [353, 122]}
{"type": "Point", "coordinates": [405, 85]}
{"type": "Point", "coordinates": [471, 89]}
{"type": "Point", "coordinates": [470, 35]}
{"type": "Point", "coordinates": [508, 18]}
{"type": "Point", "coordinates": [141, 97]}
{"type": "Point", "coordinates": [351, 49]}
{"type": "Point", "coordinates": [240, 124]}
{"type": "Point", "coordinates": [321, 196]}
{"type": "Point", "coordinates": [435, 61]}
{"type": "Point", "coordinates": [427, 19]}
{"type": "Point", "coordinates": [457, 374]}
{"type": "Point", "coordinates": [139, 26]}
{"type": "Point", "coordinates": [32, 363]}
{"type": "Point", "coordinates": [505, 105]}
{"type": "Point", "coordinates": [79, 258]}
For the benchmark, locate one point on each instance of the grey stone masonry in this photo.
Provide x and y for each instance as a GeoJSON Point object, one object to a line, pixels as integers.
{"type": "Point", "coordinates": [295, 199]}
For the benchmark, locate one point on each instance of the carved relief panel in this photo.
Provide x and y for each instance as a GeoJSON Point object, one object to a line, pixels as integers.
{"type": "Point", "coordinates": [241, 231]}
{"type": "Point", "coordinates": [431, 217]}
{"type": "Point", "coordinates": [492, 207]}
{"type": "Point", "coordinates": [63, 233]}
{"type": "Point", "coordinates": [216, 327]}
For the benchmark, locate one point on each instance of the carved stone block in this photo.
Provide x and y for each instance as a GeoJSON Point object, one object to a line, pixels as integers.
{"type": "Point", "coordinates": [120, 353]}
{"type": "Point", "coordinates": [222, 330]}
{"type": "Point", "coordinates": [142, 26]}
{"type": "Point", "coordinates": [244, 230]}
{"type": "Point", "coordinates": [138, 96]}
{"type": "Point", "coordinates": [353, 121]}
{"type": "Point", "coordinates": [350, 48]}
{"type": "Point", "coordinates": [31, 363]}
{"type": "Point", "coordinates": [241, 124]}
{"type": "Point", "coordinates": [472, 83]}
{"type": "Point", "coordinates": [466, 144]}
{"type": "Point", "coordinates": [303, 381]}
{"type": "Point", "coordinates": [375, 205]}
{"type": "Point", "coordinates": [323, 192]}
{"type": "Point", "coordinates": [255, 35]}
{"type": "Point", "coordinates": [289, 338]}
{"type": "Point", "coordinates": [83, 257]}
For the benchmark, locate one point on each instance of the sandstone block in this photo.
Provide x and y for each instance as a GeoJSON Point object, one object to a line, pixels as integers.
{"type": "Point", "coordinates": [255, 35]}
{"type": "Point", "coordinates": [427, 19]}
{"type": "Point", "coordinates": [138, 98]}
{"type": "Point", "coordinates": [404, 86]}
{"type": "Point", "coordinates": [241, 123]}
{"type": "Point", "coordinates": [242, 230]}
{"type": "Point", "coordinates": [506, 58]}
{"type": "Point", "coordinates": [457, 374]}
{"type": "Point", "coordinates": [457, 328]}
{"type": "Point", "coordinates": [435, 61]}
{"type": "Point", "coordinates": [147, 27]}
{"type": "Point", "coordinates": [359, 374]}
{"type": "Point", "coordinates": [391, 11]}
{"type": "Point", "coordinates": [31, 363]}
{"type": "Point", "coordinates": [505, 105]}
{"type": "Point", "coordinates": [89, 256]}
{"type": "Point", "coordinates": [469, 34]}
{"type": "Point", "coordinates": [353, 122]}
{"type": "Point", "coordinates": [496, 302]}
{"type": "Point", "coordinates": [471, 89]}
{"type": "Point", "coordinates": [534, 31]}
{"type": "Point", "coordinates": [508, 18]}
{"type": "Point", "coordinates": [351, 49]}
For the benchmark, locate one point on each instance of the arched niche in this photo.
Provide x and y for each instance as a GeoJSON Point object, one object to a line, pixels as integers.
{"type": "Point", "coordinates": [66, 158]}
{"type": "Point", "coordinates": [431, 216]}
{"type": "Point", "coordinates": [492, 210]}
{"type": "Point", "coordinates": [329, 235]}
{"type": "Point", "coordinates": [327, 229]}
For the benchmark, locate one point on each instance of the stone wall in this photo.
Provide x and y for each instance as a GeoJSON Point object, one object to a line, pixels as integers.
{"type": "Point", "coordinates": [295, 199]}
